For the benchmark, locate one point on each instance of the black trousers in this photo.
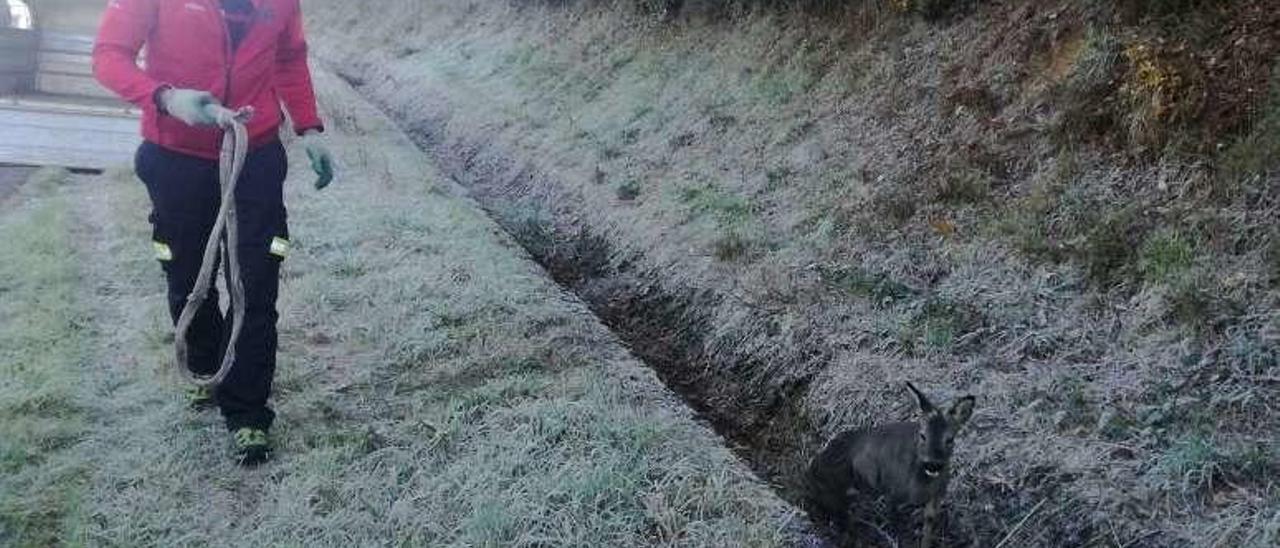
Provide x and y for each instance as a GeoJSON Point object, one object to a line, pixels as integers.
{"type": "Point", "coordinates": [185, 196]}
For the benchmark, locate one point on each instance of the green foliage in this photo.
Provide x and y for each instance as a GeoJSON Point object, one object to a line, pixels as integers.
{"type": "Point", "coordinates": [1197, 463]}
{"type": "Point", "coordinates": [936, 326]}
{"type": "Point", "coordinates": [629, 190]}
{"type": "Point", "coordinates": [878, 287]}
{"type": "Point", "coordinates": [1165, 255]}
{"type": "Point", "coordinates": [732, 216]}
{"type": "Point", "coordinates": [709, 199]}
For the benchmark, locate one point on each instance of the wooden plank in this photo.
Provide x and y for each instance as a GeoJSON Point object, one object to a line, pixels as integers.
{"type": "Point", "coordinates": [60, 157]}
{"type": "Point", "coordinates": [65, 63]}
{"type": "Point", "coordinates": [98, 106]}
{"type": "Point", "coordinates": [66, 43]}
{"type": "Point", "coordinates": [67, 139]}
{"type": "Point", "coordinates": [72, 117]}
{"type": "Point", "coordinates": [65, 84]}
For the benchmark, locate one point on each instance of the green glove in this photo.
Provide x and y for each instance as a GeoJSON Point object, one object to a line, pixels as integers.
{"type": "Point", "coordinates": [321, 160]}
{"type": "Point", "coordinates": [189, 105]}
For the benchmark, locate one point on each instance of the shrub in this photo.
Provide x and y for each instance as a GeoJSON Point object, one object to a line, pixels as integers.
{"type": "Point", "coordinates": [1162, 88]}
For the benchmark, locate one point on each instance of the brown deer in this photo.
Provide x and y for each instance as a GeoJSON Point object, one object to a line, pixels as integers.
{"type": "Point", "coordinates": [908, 463]}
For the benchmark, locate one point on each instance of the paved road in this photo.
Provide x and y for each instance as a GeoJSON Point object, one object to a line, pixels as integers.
{"type": "Point", "coordinates": [50, 131]}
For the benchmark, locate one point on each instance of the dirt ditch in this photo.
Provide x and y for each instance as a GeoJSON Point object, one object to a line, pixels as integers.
{"type": "Point", "coordinates": [664, 329]}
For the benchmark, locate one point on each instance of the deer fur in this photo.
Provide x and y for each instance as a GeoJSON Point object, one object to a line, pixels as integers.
{"type": "Point", "coordinates": [908, 463]}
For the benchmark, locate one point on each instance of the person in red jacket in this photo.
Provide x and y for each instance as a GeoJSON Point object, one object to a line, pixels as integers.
{"type": "Point", "coordinates": [233, 53]}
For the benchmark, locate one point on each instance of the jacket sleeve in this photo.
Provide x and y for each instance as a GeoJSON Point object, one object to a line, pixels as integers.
{"type": "Point", "coordinates": [293, 77]}
{"type": "Point", "coordinates": [126, 24]}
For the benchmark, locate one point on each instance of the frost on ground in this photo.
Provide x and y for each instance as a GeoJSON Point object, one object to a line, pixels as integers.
{"type": "Point", "coordinates": [434, 388]}
{"type": "Point", "coordinates": [1067, 208]}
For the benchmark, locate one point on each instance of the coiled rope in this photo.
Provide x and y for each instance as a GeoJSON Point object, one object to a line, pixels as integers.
{"type": "Point", "coordinates": [225, 234]}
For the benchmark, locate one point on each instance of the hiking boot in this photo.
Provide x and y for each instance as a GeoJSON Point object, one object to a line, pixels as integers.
{"type": "Point", "coordinates": [252, 445]}
{"type": "Point", "coordinates": [199, 397]}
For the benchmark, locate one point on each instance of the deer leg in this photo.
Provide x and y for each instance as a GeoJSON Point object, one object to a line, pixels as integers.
{"type": "Point", "coordinates": [930, 523]}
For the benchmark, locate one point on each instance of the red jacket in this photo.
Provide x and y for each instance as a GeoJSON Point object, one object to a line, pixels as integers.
{"type": "Point", "coordinates": [188, 46]}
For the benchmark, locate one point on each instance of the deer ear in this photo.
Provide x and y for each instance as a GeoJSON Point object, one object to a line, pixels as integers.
{"type": "Point", "coordinates": [926, 406]}
{"type": "Point", "coordinates": [960, 411]}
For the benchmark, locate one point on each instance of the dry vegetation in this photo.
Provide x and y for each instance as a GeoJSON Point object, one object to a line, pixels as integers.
{"type": "Point", "coordinates": [1067, 208]}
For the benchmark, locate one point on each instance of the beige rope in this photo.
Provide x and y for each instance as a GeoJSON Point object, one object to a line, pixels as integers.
{"type": "Point", "coordinates": [235, 145]}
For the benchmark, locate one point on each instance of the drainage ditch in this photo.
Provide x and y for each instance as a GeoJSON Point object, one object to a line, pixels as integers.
{"type": "Point", "coordinates": [665, 329]}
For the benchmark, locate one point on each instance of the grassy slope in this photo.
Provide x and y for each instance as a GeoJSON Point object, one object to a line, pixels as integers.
{"type": "Point", "coordinates": [434, 388]}
{"type": "Point", "coordinates": [896, 200]}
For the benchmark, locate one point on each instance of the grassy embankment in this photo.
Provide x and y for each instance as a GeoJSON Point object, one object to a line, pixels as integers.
{"type": "Point", "coordinates": [1066, 208]}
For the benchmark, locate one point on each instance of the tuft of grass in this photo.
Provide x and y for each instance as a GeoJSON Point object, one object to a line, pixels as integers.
{"type": "Point", "coordinates": [777, 177]}
{"type": "Point", "coordinates": [1197, 464]}
{"type": "Point", "coordinates": [1195, 300]}
{"type": "Point", "coordinates": [1191, 464]}
{"type": "Point", "coordinates": [629, 190]}
{"type": "Point", "coordinates": [732, 216]}
{"type": "Point", "coordinates": [1165, 255]}
{"type": "Point", "coordinates": [1162, 90]}
{"type": "Point", "coordinates": [1271, 256]}
{"type": "Point", "coordinates": [1094, 74]}
{"type": "Point", "coordinates": [1107, 249]}
{"type": "Point", "coordinates": [936, 325]}
{"type": "Point", "coordinates": [964, 186]}
{"type": "Point", "coordinates": [894, 203]}
{"type": "Point", "coordinates": [711, 200]}
{"type": "Point", "coordinates": [732, 246]}
{"type": "Point", "coordinates": [1074, 410]}
{"type": "Point", "coordinates": [876, 286]}
{"type": "Point", "coordinates": [531, 224]}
